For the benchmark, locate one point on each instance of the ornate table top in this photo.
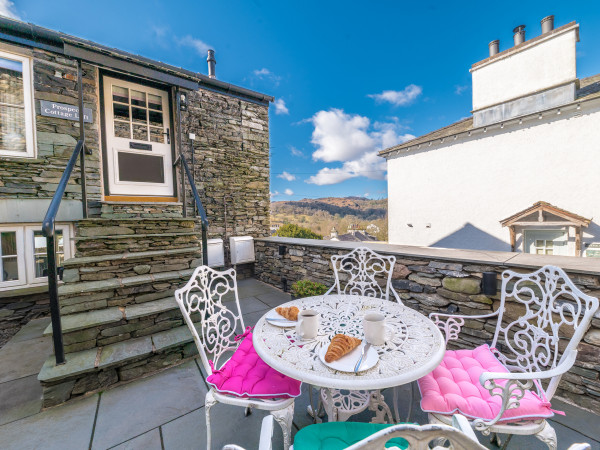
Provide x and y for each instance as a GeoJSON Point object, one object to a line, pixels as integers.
{"type": "Point", "coordinates": [415, 348]}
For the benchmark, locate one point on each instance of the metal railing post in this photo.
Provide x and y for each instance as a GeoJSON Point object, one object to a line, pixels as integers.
{"type": "Point", "coordinates": [57, 337]}
{"type": "Point", "coordinates": [82, 138]}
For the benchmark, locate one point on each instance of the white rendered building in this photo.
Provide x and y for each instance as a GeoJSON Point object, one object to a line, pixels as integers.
{"type": "Point", "coordinates": [522, 173]}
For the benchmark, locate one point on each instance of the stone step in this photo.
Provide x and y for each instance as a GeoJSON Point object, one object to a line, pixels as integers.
{"type": "Point", "coordinates": [129, 264]}
{"type": "Point", "coordinates": [126, 210]}
{"type": "Point", "coordinates": [92, 329]}
{"type": "Point", "coordinates": [119, 292]}
{"type": "Point", "coordinates": [99, 368]}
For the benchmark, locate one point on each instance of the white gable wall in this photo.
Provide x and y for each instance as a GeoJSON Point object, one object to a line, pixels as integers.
{"type": "Point", "coordinates": [463, 188]}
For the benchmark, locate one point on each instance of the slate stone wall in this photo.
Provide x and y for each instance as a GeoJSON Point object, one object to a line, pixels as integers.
{"type": "Point", "coordinates": [54, 79]}
{"type": "Point", "coordinates": [429, 285]}
{"type": "Point", "coordinates": [17, 311]}
{"type": "Point", "coordinates": [230, 164]}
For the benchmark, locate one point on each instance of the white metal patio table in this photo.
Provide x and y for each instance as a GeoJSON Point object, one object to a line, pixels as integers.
{"type": "Point", "coordinates": [415, 347]}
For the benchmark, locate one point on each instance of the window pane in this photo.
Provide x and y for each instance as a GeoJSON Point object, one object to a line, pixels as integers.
{"type": "Point", "coordinates": [39, 241]}
{"type": "Point", "coordinates": [539, 251]}
{"type": "Point", "coordinates": [549, 252]}
{"type": "Point", "coordinates": [10, 269]}
{"type": "Point", "coordinates": [8, 243]}
{"type": "Point", "coordinates": [11, 81]}
{"type": "Point", "coordinates": [139, 115]}
{"type": "Point", "coordinates": [12, 129]}
{"type": "Point", "coordinates": [549, 244]}
{"type": "Point", "coordinates": [140, 132]}
{"type": "Point", "coordinates": [155, 102]}
{"type": "Point", "coordinates": [121, 112]}
{"type": "Point", "coordinates": [41, 264]}
{"type": "Point", "coordinates": [156, 118]}
{"type": "Point", "coordinates": [156, 135]}
{"type": "Point", "coordinates": [138, 98]}
{"type": "Point", "coordinates": [122, 130]}
{"type": "Point", "coordinates": [120, 94]}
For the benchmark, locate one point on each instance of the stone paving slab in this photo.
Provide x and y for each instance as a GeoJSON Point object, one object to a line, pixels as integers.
{"type": "Point", "coordinates": [251, 304]}
{"type": "Point", "coordinates": [140, 406]}
{"type": "Point", "coordinates": [81, 321]}
{"type": "Point", "coordinates": [33, 330]}
{"type": "Point", "coordinates": [148, 308]}
{"type": "Point", "coordinates": [147, 441]}
{"type": "Point", "coordinates": [63, 428]}
{"type": "Point", "coordinates": [20, 398]}
{"type": "Point", "coordinates": [171, 338]}
{"type": "Point", "coordinates": [21, 359]}
{"type": "Point", "coordinates": [274, 298]}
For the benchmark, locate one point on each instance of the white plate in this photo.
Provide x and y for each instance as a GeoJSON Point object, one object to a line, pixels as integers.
{"type": "Point", "coordinates": [279, 323]}
{"type": "Point", "coordinates": [347, 362]}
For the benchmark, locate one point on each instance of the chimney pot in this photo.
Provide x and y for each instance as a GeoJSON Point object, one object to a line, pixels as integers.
{"type": "Point", "coordinates": [211, 64]}
{"type": "Point", "coordinates": [547, 24]}
{"type": "Point", "coordinates": [519, 34]}
{"type": "Point", "coordinates": [494, 47]}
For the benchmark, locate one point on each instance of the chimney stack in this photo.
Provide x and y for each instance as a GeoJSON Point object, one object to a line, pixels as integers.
{"type": "Point", "coordinates": [547, 24]}
{"type": "Point", "coordinates": [494, 47]}
{"type": "Point", "coordinates": [211, 64]}
{"type": "Point", "coordinates": [519, 35]}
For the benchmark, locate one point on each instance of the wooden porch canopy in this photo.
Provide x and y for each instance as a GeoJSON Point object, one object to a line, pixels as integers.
{"type": "Point", "coordinates": [543, 213]}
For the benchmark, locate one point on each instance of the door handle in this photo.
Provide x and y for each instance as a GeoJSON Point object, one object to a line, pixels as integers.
{"type": "Point", "coordinates": [168, 136]}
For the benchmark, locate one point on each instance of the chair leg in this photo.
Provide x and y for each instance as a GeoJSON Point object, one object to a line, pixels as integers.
{"type": "Point", "coordinates": [284, 418]}
{"type": "Point", "coordinates": [209, 402]}
{"type": "Point", "coordinates": [548, 436]}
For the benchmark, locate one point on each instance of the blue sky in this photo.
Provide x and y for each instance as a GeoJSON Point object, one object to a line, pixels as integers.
{"type": "Point", "coordinates": [349, 77]}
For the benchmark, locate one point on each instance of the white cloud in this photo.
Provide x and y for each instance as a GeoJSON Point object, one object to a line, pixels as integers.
{"type": "Point", "coordinates": [280, 107]}
{"type": "Point", "coordinates": [7, 8]}
{"type": "Point", "coordinates": [274, 194]}
{"type": "Point", "coordinates": [458, 89]}
{"type": "Point", "coordinates": [352, 140]}
{"type": "Point", "coordinates": [288, 192]}
{"type": "Point", "coordinates": [266, 74]}
{"type": "Point", "coordinates": [287, 176]}
{"type": "Point", "coordinates": [295, 152]}
{"type": "Point", "coordinates": [399, 98]}
{"type": "Point", "coordinates": [201, 47]}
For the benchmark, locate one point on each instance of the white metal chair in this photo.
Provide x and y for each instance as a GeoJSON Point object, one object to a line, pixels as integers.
{"type": "Point", "coordinates": [215, 335]}
{"type": "Point", "coordinates": [356, 273]}
{"type": "Point", "coordinates": [531, 344]}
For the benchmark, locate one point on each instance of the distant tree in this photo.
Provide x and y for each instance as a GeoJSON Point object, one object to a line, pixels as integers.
{"type": "Point", "coordinates": [294, 231]}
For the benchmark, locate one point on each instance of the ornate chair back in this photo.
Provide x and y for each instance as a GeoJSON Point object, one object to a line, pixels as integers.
{"type": "Point", "coordinates": [538, 309]}
{"type": "Point", "coordinates": [419, 437]}
{"type": "Point", "coordinates": [203, 297]}
{"type": "Point", "coordinates": [361, 267]}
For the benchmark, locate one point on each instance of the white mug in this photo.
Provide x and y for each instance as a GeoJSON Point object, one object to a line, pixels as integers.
{"type": "Point", "coordinates": [374, 328]}
{"type": "Point", "coordinates": [308, 324]}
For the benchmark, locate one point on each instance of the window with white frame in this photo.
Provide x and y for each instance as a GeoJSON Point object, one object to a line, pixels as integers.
{"type": "Point", "coordinates": [16, 111]}
{"type": "Point", "coordinates": [23, 258]}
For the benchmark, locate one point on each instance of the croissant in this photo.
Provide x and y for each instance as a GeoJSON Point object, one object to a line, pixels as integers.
{"type": "Point", "coordinates": [341, 345]}
{"type": "Point", "coordinates": [290, 313]}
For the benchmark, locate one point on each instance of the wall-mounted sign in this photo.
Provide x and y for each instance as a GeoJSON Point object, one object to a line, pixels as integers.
{"type": "Point", "coordinates": [64, 111]}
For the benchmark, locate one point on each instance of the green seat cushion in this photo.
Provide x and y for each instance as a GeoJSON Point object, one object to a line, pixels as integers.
{"type": "Point", "coordinates": [339, 435]}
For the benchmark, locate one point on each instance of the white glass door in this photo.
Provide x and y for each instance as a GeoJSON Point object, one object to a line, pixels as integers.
{"type": "Point", "coordinates": [138, 139]}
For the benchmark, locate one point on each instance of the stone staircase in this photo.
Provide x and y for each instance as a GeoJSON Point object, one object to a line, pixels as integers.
{"type": "Point", "coordinates": [119, 317]}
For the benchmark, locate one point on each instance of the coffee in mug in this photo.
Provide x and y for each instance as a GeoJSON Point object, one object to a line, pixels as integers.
{"type": "Point", "coordinates": [308, 324]}
{"type": "Point", "coordinates": [374, 328]}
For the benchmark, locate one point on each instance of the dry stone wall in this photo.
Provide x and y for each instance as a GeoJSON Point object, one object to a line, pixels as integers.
{"type": "Point", "coordinates": [55, 79]}
{"type": "Point", "coordinates": [430, 285]}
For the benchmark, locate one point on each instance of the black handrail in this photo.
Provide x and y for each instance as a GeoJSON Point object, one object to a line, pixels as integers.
{"type": "Point", "coordinates": [49, 220]}
{"type": "Point", "coordinates": [199, 207]}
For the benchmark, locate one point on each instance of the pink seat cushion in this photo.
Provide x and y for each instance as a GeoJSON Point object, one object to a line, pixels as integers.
{"type": "Point", "coordinates": [454, 387]}
{"type": "Point", "coordinates": [246, 375]}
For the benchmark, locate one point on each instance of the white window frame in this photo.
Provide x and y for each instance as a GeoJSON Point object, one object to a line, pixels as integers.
{"type": "Point", "coordinates": [28, 107]}
{"type": "Point", "coordinates": [30, 250]}
{"type": "Point", "coordinates": [25, 254]}
{"type": "Point", "coordinates": [527, 232]}
{"type": "Point", "coordinates": [22, 280]}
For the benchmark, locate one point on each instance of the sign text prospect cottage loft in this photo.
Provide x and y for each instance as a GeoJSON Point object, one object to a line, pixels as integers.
{"type": "Point", "coordinates": [159, 144]}
{"type": "Point", "coordinates": [521, 173]}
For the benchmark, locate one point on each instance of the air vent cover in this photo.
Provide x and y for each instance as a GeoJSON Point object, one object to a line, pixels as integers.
{"type": "Point", "coordinates": [242, 249]}
{"type": "Point", "coordinates": [216, 254]}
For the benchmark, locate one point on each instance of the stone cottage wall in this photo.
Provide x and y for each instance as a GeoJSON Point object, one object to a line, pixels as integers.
{"type": "Point", "coordinates": [230, 164]}
{"type": "Point", "coordinates": [429, 284]}
{"type": "Point", "coordinates": [55, 79]}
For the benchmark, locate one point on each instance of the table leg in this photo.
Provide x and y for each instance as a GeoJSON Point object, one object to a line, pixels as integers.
{"type": "Point", "coordinates": [410, 401]}
{"type": "Point", "coordinates": [395, 401]}
{"type": "Point", "coordinates": [314, 413]}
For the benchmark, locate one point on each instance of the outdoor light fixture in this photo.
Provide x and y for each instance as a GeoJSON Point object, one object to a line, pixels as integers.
{"type": "Point", "coordinates": [488, 283]}
{"type": "Point", "coordinates": [182, 101]}
{"type": "Point", "coordinates": [281, 250]}
{"type": "Point", "coordinates": [284, 284]}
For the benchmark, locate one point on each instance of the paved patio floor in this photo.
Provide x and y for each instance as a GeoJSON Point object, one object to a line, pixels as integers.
{"type": "Point", "coordinates": [166, 410]}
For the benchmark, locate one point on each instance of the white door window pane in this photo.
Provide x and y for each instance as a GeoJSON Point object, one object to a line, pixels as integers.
{"type": "Point", "coordinates": [40, 256]}
{"type": "Point", "coordinates": [9, 264]}
{"type": "Point", "coordinates": [11, 82]}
